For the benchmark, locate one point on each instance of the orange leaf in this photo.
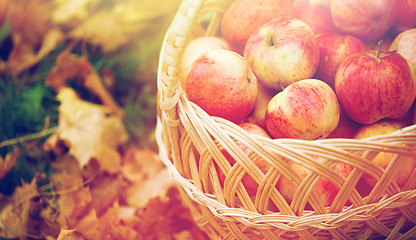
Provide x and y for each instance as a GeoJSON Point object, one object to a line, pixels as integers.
{"type": "Point", "coordinates": [148, 176]}
{"type": "Point", "coordinates": [85, 75]}
{"type": "Point", "coordinates": [22, 215]}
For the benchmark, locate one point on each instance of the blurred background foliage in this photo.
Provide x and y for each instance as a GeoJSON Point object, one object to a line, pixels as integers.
{"type": "Point", "coordinates": [120, 38]}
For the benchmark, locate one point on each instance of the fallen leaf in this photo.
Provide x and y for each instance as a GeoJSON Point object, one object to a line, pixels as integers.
{"type": "Point", "coordinates": [71, 13]}
{"type": "Point", "coordinates": [86, 75]}
{"type": "Point", "coordinates": [20, 219]}
{"type": "Point", "coordinates": [126, 21]}
{"type": "Point", "coordinates": [24, 55]}
{"type": "Point", "coordinates": [74, 196]}
{"type": "Point", "coordinates": [8, 163]}
{"type": "Point", "coordinates": [35, 12]}
{"type": "Point", "coordinates": [106, 226]}
{"type": "Point", "coordinates": [68, 234]}
{"type": "Point", "coordinates": [89, 131]}
{"type": "Point", "coordinates": [148, 176]}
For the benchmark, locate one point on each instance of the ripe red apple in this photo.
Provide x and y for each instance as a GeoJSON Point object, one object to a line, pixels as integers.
{"type": "Point", "coordinates": [406, 16]}
{"type": "Point", "coordinates": [264, 95]}
{"type": "Point", "coordinates": [248, 182]}
{"type": "Point", "coordinates": [317, 16]}
{"type": "Point", "coordinates": [374, 84]}
{"type": "Point", "coordinates": [405, 44]}
{"type": "Point", "coordinates": [383, 159]}
{"type": "Point", "coordinates": [243, 17]}
{"type": "Point", "coordinates": [195, 48]}
{"type": "Point", "coordinates": [307, 109]}
{"type": "Point", "coordinates": [282, 52]}
{"type": "Point", "coordinates": [367, 20]}
{"type": "Point", "coordinates": [333, 49]}
{"type": "Point", "coordinates": [324, 188]}
{"type": "Point", "coordinates": [221, 83]}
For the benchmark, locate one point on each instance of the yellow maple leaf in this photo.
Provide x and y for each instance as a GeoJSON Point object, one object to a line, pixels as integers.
{"type": "Point", "coordinates": [89, 131]}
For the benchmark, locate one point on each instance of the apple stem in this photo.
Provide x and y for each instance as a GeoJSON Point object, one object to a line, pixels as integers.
{"type": "Point", "coordinates": [380, 43]}
{"type": "Point", "coordinates": [281, 86]}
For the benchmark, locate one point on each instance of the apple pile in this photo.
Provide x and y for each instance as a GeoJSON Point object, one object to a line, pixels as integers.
{"type": "Point", "coordinates": [309, 69]}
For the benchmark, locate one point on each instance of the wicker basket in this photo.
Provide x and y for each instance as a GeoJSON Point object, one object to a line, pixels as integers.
{"type": "Point", "coordinates": [190, 142]}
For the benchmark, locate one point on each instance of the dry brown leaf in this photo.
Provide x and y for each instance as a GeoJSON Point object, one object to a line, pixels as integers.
{"type": "Point", "coordinates": [74, 197]}
{"type": "Point", "coordinates": [32, 32]}
{"type": "Point", "coordinates": [89, 131]}
{"type": "Point", "coordinates": [70, 13]}
{"type": "Point", "coordinates": [20, 219]}
{"type": "Point", "coordinates": [35, 12]}
{"type": "Point", "coordinates": [8, 163]}
{"type": "Point", "coordinates": [123, 23]}
{"type": "Point", "coordinates": [85, 74]}
{"type": "Point", "coordinates": [67, 234]}
{"type": "Point", "coordinates": [148, 176]}
{"type": "Point", "coordinates": [24, 55]}
{"type": "Point", "coordinates": [106, 226]}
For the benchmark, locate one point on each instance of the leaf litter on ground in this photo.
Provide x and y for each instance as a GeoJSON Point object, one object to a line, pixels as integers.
{"type": "Point", "coordinates": [98, 59]}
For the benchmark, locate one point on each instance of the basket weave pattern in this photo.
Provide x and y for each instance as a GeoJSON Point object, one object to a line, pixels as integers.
{"type": "Point", "coordinates": [191, 144]}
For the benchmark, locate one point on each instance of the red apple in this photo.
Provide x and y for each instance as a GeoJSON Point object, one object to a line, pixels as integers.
{"type": "Point", "coordinates": [405, 44]}
{"type": "Point", "coordinates": [367, 20]}
{"type": "Point", "coordinates": [195, 48]}
{"type": "Point", "coordinates": [307, 109]}
{"type": "Point", "coordinates": [282, 52]}
{"type": "Point", "coordinates": [243, 17]}
{"type": "Point", "coordinates": [324, 188]}
{"type": "Point", "coordinates": [374, 84]}
{"type": "Point", "coordinates": [333, 49]}
{"type": "Point", "coordinates": [221, 83]}
{"type": "Point", "coordinates": [248, 182]}
{"type": "Point", "coordinates": [383, 159]}
{"type": "Point", "coordinates": [406, 16]}
{"type": "Point", "coordinates": [317, 16]}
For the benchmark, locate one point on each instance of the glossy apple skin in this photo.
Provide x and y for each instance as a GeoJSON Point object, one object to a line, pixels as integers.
{"type": "Point", "coordinates": [405, 44]}
{"type": "Point", "coordinates": [324, 188]}
{"type": "Point", "coordinates": [283, 51]}
{"type": "Point", "coordinates": [317, 16]}
{"type": "Point", "coordinates": [370, 89]}
{"type": "Point", "coordinates": [195, 48]}
{"type": "Point", "coordinates": [383, 159]}
{"type": "Point", "coordinates": [406, 16]}
{"type": "Point", "coordinates": [222, 83]}
{"type": "Point", "coordinates": [307, 109]}
{"type": "Point", "coordinates": [243, 17]}
{"type": "Point", "coordinates": [248, 182]}
{"type": "Point", "coordinates": [333, 49]}
{"type": "Point", "coordinates": [367, 20]}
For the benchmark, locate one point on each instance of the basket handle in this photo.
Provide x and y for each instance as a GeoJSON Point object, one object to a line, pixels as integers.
{"type": "Point", "coordinates": [171, 51]}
